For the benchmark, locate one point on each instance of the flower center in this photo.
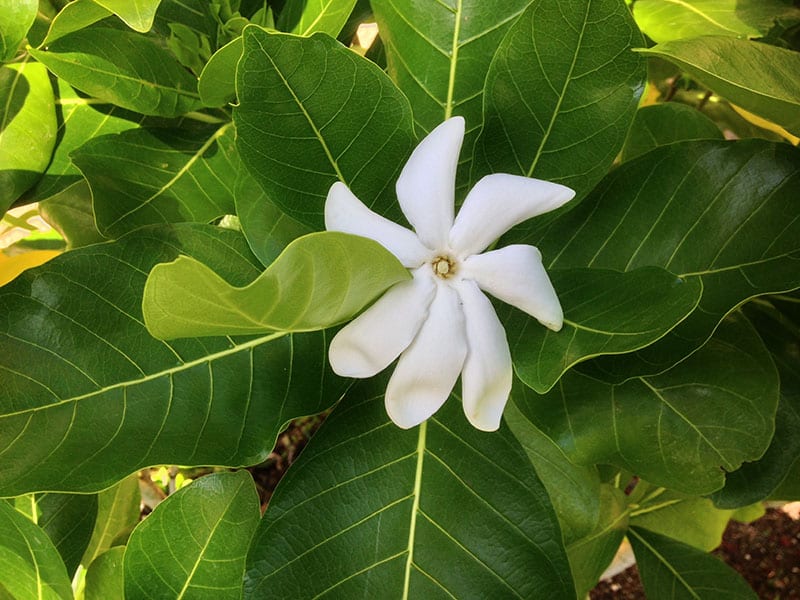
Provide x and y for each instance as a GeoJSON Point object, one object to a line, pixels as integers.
{"type": "Point", "coordinates": [443, 266]}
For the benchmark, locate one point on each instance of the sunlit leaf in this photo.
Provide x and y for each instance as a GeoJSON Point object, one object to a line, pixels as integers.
{"type": "Point", "coordinates": [561, 93]}
{"type": "Point", "coordinates": [30, 566]}
{"type": "Point", "coordinates": [155, 175]}
{"type": "Point", "coordinates": [16, 17]}
{"type": "Point", "coordinates": [27, 128]}
{"type": "Point", "coordinates": [137, 14]}
{"type": "Point", "coordinates": [758, 77]}
{"type": "Point", "coordinates": [320, 280]}
{"type": "Point", "coordinates": [439, 511]}
{"type": "Point", "coordinates": [123, 68]}
{"type": "Point", "coordinates": [310, 16]}
{"type": "Point", "coordinates": [715, 409]}
{"type": "Point", "coordinates": [88, 396]}
{"type": "Point", "coordinates": [675, 571]}
{"type": "Point", "coordinates": [75, 16]}
{"type": "Point", "coordinates": [217, 83]}
{"type": "Point", "coordinates": [335, 113]}
{"type": "Point", "coordinates": [117, 513]}
{"type": "Point", "coordinates": [195, 542]}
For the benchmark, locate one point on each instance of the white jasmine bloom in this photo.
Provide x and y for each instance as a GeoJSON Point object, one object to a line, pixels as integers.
{"type": "Point", "coordinates": [440, 323]}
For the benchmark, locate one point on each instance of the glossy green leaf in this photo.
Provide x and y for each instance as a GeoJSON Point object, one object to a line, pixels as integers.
{"type": "Point", "coordinates": [79, 120]}
{"type": "Point", "coordinates": [27, 128]}
{"type": "Point", "coordinates": [758, 77]}
{"type": "Point", "coordinates": [89, 396]}
{"type": "Point", "coordinates": [665, 20]}
{"type": "Point", "coordinates": [73, 17]}
{"type": "Point", "coordinates": [104, 577]}
{"type": "Point", "coordinates": [705, 210]}
{"type": "Point", "coordinates": [70, 213]}
{"type": "Point", "coordinates": [194, 543]}
{"type": "Point", "coordinates": [117, 513]}
{"type": "Point", "coordinates": [439, 54]}
{"type": "Point", "coordinates": [267, 228]}
{"type": "Point", "coordinates": [672, 570]}
{"type": "Point", "coordinates": [123, 68]}
{"type": "Point", "coordinates": [591, 555]}
{"type": "Point", "coordinates": [310, 16]}
{"type": "Point", "coordinates": [335, 113]}
{"type": "Point", "coordinates": [137, 14]}
{"type": "Point", "coordinates": [16, 17]}
{"type": "Point", "coordinates": [438, 511]}
{"type": "Point", "coordinates": [68, 520]}
{"type": "Point", "coordinates": [574, 490]}
{"type": "Point", "coordinates": [778, 323]}
{"type": "Point", "coordinates": [217, 83]}
{"type": "Point", "coordinates": [715, 409]}
{"type": "Point", "coordinates": [320, 280]}
{"type": "Point", "coordinates": [605, 312]}
{"type": "Point", "coordinates": [561, 93]}
{"type": "Point", "coordinates": [30, 566]}
{"type": "Point", "coordinates": [153, 175]}
{"type": "Point", "coordinates": [667, 123]}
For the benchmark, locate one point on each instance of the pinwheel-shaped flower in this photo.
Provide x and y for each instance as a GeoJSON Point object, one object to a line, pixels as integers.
{"type": "Point", "coordinates": [439, 322]}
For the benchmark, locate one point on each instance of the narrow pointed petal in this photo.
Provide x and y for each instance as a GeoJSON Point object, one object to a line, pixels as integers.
{"type": "Point", "coordinates": [515, 274]}
{"type": "Point", "coordinates": [369, 343]}
{"type": "Point", "coordinates": [497, 203]}
{"type": "Point", "coordinates": [429, 368]}
{"type": "Point", "coordinates": [346, 213]}
{"type": "Point", "coordinates": [426, 187]}
{"type": "Point", "coordinates": [487, 375]}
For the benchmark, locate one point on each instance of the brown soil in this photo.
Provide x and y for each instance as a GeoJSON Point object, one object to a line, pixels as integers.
{"type": "Point", "coordinates": [766, 552]}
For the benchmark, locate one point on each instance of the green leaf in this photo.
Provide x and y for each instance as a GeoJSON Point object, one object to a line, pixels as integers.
{"type": "Point", "coordinates": [574, 490]}
{"type": "Point", "coordinates": [70, 213]}
{"type": "Point", "coordinates": [778, 323]}
{"type": "Point", "coordinates": [195, 542]}
{"type": "Point", "coordinates": [605, 312]}
{"type": "Point", "coordinates": [30, 567]}
{"type": "Point", "coordinates": [705, 210]}
{"type": "Point", "coordinates": [439, 54]}
{"type": "Point", "coordinates": [75, 16]}
{"type": "Point", "coordinates": [27, 128]}
{"type": "Point", "coordinates": [104, 577]}
{"type": "Point", "coordinates": [155, 175]}
{"type": "Point", "coordinates": [561, 93]}
{"type": "Point", "coordinates": [715, 409]}
{"type": "Point", "coordinates": [68, 520]}
{"type": "Point", "coordinates": [758, 77]}
{"type": "Point", "coordinates": [79, 120]}
{"type": "Point", "coordinates": [666, 20]}
{"type": "Point", "coordinates": [335, 113]}
{"type": "Point", "coordinates": [439, 511]}
{"type": "Point", "coordinates": [89, 396]}
{"type": "Point", "coordinates": [267, 228]}
{"type": "Point", "coordinates": [667, 123]}
{"type": "Point", "coordinates": [310, 16]}
{"type": "Point", "coordinates": [672, 570]}
{"type": "Point", "coordinates": [16, 17]}
{"type": "Point", "coordinates": [137, 14]}
{"type": "Point", "coordinates": [117, 513]}
{"type": "Point", "coordinates": [591, 555]}
{"type": "Point", "coordinates": [123, 68]}
{"type": "Point", "coordinates": [320, 280]}
{"type": "Point", "coordinates": [217, 84]}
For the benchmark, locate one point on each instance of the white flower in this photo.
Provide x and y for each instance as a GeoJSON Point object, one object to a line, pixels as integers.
{"type": "Point", "coordinates": [440, 323]}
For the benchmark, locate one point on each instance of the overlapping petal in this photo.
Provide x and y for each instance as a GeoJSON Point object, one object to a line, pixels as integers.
{"type": "Point", "coordinates": [426, 186]}
{"type": "Point", "coordinates": [515, 274]}
{"type": "Point", "coordinates": [497, 203]}
{"type": "Point", "coordinates": [346, 213]}
{"type": "Point", "coordinates": [429, 368]}
{"type": "Point", "coordinates": [369, 343]}
{"type": "Point", "coordinates": [487, 375]}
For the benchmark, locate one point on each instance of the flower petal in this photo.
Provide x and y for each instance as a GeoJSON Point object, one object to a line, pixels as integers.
{"type": "Point", "coordinates": [496, 204]}
{"type": "Point", "coordinates": [487, 375]}
{"type": "Point", "coordinates": [369, 343]}
{"type": "Point", "coordinates": [346, 213]}
{"type": "Point", "coordinates": [515, 274]}
{"type": "Point", "coordinates": [429, 367]}
{"type": "Point", "coordinates": [426, 187]}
